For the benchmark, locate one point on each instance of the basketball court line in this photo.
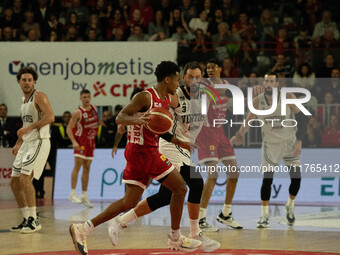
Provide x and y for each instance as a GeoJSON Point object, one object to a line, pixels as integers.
{"type": "Point", "coordinates": [167, 252]}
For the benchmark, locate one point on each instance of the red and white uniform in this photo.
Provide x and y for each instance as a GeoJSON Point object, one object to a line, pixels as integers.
{"type": "Point", "coordinates": [212, 142]}
{"type": "Point", "coordinates": [85, 132]}
{"type": "Point", "coordinates": [141, 152]}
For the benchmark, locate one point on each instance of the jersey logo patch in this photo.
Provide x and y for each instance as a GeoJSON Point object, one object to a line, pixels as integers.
{"type": "Point", "coordinates": [212, 147]}
{"type": "Point", "coordinates": [163, 158]}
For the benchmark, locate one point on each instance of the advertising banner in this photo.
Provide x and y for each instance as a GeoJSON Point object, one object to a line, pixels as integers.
{"type": "Point", "coordinates": [106, 174]}
{"type": "Point", "coordinates": [109, 70]}
{"type": "Point", "coordinates": [6, 162]}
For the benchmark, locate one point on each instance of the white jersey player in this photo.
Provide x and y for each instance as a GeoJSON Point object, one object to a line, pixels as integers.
{"type": "Point", "coordinates": [188, 121]}
{"type": "Point", "coordinates": [281, 140]}
{"type": "Point", "coordinates": [31, 149]}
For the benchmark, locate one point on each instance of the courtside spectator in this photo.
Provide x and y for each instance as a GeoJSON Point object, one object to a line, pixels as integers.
{"type": "Point", "coordinates": [313, 133]}
{"type": "Point", "coordinates": [7, 21]}
{"type": "Point", "coordinates": [282, 65]}
{"type": "Point", "coordinates": [331, 135]}
{"type": "Point", "coordinates": [325, 24]}
{"type": "Point", "coordinates": [82, 11]}
{"type": "Point", "coordinates": [213, 24]}
{"type": "Point", "coordinates": [326, 70]}
{"type": "Point", "coordinates": [177, 19]}
{"type": "Point", "coordinates": [244, 28]}
{"type": "Point", "coordinates": [138, 35]}
{"type": "Point", "coordinates": [200, 23]}
{"type": "Point", "coordinates": [325, 111]}
{"type": "Point", "coordinates": [158, 25]}
{"type": "Point", "coordinates": [189, 11]}
{"type": "Point", "coordinates": [228, 69]}
{"type": "Point", "coordinates": [146, 12]}
{"type": "Point", "coordinates": [29, 24]}
{"type": "Point", "coordinates": [334, 85]}
{"type": "Point", "coordinates": [266, 29]}
{"type": "Point", "coordinates": [115, 23]}
{"type": "Point", "coordinates": [304, 77]}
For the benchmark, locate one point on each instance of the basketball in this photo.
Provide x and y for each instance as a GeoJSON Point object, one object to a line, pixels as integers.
{"type": "Point", "coordinates": [160, 121]}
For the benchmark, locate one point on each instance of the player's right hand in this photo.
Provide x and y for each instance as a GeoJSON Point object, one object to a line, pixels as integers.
{"type": "Point", "coordinates": [236, 141]}
{"type": "Point", "coordinates": [15, 150]}
{"type": "Point", "coordinates": [76, 146]}
{"type": "Point", "coordinates": [121, 129]}
{"type": "Point", "coordinates": [144, 119]}
{"type": "Point", "coordinates": [114, 151]}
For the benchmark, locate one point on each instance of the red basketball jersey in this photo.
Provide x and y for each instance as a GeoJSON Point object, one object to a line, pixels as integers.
{"type": "Point", "coordinates": [140, 135]}
{"type": "Point", "coordinates": [217, 111]}
{"type": "Point", "coordinates": [87, 125]}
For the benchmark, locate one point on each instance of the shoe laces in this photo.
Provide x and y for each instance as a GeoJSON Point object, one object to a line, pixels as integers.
{"type": "Point", "coordinates": [205, 223]}
{"type": "Point", "coordinates": [290, 211]}
{"type": "Point", "coordinates": [82, 234]}
{"type": "Point", "coordinates": [204, 239]}
{"type": "Point", "coordinates": [264, 219]}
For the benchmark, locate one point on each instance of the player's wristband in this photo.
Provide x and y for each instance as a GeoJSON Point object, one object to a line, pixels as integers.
{"type": "Point", "coordinates": [167, 137]}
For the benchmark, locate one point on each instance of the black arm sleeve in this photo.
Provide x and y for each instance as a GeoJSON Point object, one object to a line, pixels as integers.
{"type": "Point", "coordinates": [301, 125]}
{"type": "Point", "coordinates": [167, 136]}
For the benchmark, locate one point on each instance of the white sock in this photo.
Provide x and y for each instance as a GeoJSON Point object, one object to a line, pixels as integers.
{"type": "Point", "coordinates": [84, 193]}
{"type": "Point", "coordinates": [88, 226]}
{"type": "Point", "coordinates": [32, 212]}
{"type": "Point", "coordinates": [194, 228]}
{"type": "Point", "coordinates": [175, 234]}
{"type": "Point", "coordinates": [73, 191]}
{"type": "Point", "coordinates": [290, 202]}
{"type": "Point", "coordinates": [24, 211]}
{"type": "Point", "coordinates": [226, 209]}
{"type": "Point", "coordinates": [126, 218]}
{"type": "Point", "coordinates": [203, 212]}
{"type": "Point", "coordinates": [265, 210]}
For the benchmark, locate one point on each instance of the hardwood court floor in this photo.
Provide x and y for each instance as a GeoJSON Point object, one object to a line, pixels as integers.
{"type": "Point", "coordinates": [317, 229]}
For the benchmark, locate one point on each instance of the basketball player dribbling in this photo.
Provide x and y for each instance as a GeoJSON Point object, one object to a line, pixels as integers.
{"type": "Point", "coordinates": [187, 124]}
{"type": "Point", "coordinates": [82, 130]}
{"type": "Point", "coordinates": [278, 143]}
{"type": "Point", "coordinates": [144, 161]}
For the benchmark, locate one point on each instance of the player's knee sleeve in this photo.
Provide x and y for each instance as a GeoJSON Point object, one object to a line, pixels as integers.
{"type": "Point", "coordinates": [195, 183]}
{"type": "Point", "coordinates": [294, 186]}
{"type": "Point", "coordinates": [160, 199]}
{"type": "Point", "coordinates": [266, 186]}
{"type": "Point", "coordinates": [195, 190]}
{"type": "Point", "coordinates": [295, 176]}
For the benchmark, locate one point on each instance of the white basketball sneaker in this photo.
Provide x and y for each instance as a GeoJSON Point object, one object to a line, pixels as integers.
{"type": "Point", "coordinates": [115, 228]}
{"type": "Point", "coordinates": [85, 200]}
{"type": "Point", "coordinates": [208, 245]}
{"type": "Point", "coordinates": [32, 225]}
{"type": "Point", "coordinates": [73, 197]}
{"type": "Point", "coordinates": [79, 238]}
{"type": "Point", "coordinates": [228, 220]}
{"type": "Point", "coordinates": [183, 244]}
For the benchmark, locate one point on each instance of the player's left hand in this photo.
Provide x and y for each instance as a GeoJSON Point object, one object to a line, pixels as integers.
{"type": "Point", "coordinates": [297, 148]}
